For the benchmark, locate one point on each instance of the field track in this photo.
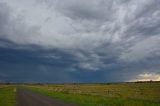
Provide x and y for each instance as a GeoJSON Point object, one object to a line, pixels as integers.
{"type": "Point", "coordinates": [28, 98]}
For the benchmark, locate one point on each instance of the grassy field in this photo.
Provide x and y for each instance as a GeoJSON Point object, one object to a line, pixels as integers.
{"type": "Point", "coordinates": [122, 94]}
{"type": "Point", "coordinates": [7, 95]}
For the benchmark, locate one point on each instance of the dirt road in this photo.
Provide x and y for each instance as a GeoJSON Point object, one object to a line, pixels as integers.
{"type": "Point", "coordinates": [28, 98]}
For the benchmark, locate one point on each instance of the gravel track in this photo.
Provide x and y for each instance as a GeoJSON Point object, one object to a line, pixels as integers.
{"type": "Point", "coordinates": [28, 98]}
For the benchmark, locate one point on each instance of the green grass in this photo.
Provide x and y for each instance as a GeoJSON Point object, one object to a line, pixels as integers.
{"type": "Point", "coordinates": [95, 94]}
{"type": "Point", "coordinates": [7, 95]}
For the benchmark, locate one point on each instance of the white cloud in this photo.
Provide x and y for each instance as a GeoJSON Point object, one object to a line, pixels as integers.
{"type": "Point", "coordinates": [147, 76]}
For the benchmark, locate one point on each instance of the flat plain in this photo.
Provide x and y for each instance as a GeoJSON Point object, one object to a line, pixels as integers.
{"type": "Point", "coordinates": [111, 94]}
{"type": "Point", "coordinates": [116, 94]}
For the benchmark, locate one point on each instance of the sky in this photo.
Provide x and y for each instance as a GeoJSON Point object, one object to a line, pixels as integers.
{"type": "Point", "coordinates": [79, 41]}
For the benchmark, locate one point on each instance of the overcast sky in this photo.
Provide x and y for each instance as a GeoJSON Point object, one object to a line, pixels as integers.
{"type": "Point", "coordinates": [79, 40]}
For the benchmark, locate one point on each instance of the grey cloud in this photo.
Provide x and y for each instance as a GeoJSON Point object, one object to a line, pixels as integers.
{"type": "Point", "coordinates": [145, 48]}
{"type": "Point", "coordinates": [4, 17]}
{"type": "Point", "coordinates": [113, 36]}
{"type": "Point", "coordinates": [93, 33]}
{"type": "Point", "coordinates": [96, 10]}
{"type": "Point", "coordinates": [14, 28]}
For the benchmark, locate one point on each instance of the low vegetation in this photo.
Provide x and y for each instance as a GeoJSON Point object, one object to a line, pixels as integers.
{"type": "Point", "coordinates": [7, 95]}
{"type": "Point", "coordinates": [122, 94]}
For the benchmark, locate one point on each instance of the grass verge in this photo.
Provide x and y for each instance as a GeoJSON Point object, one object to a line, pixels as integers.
{"type": "Point", "coordinates": [87, 100]}
{"type": "Point", "coordinates": [7, 96]}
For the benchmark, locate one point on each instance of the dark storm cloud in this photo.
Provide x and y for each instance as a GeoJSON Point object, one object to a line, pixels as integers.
{"type": "Point", "coordinates": [55, 57]}
{"type": "Point", "coordinates": [83, 41]}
